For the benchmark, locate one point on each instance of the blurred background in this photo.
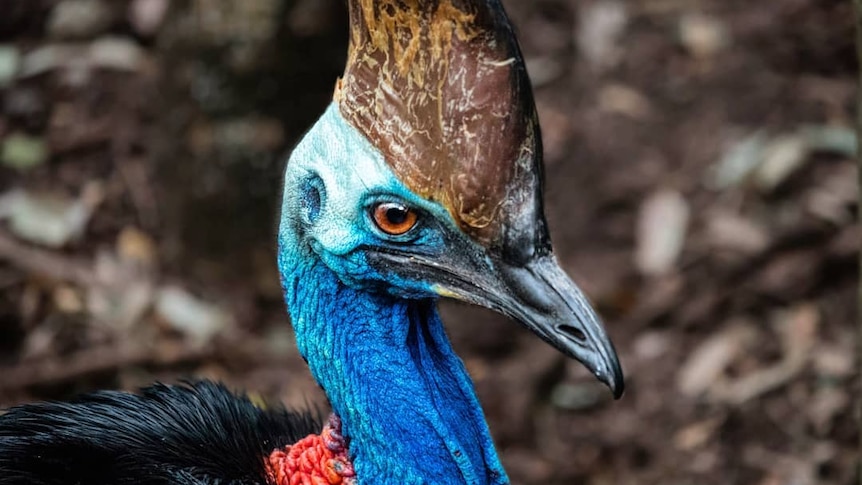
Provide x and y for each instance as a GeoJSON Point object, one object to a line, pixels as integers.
{"type": "Point", "coordinates": [700, 185]}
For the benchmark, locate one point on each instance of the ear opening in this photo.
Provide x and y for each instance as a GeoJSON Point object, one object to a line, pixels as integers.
{"type": "Point", "coordinates": [312, 199]}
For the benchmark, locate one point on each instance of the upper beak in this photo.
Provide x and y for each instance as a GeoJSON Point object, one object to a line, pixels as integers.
{"type": "Point", "coordinates": [537, 293]}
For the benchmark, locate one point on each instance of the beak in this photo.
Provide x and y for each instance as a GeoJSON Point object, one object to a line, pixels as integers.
{"type": "Point", "coordinates": [542, 297]}
{"type": "Point", "coordinates": [537, 293]}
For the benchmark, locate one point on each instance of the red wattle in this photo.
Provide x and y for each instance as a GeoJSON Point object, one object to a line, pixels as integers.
{"type": "Point", "coordinates": [314, 460]}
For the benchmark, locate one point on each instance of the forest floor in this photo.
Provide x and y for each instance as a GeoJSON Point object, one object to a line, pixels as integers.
{"type": "Point", "coordinates": [701, 189]}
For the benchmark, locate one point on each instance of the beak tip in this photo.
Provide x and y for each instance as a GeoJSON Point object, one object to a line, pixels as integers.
{"type": "Point", "coordinates": [614, 380]}
{"type": "Point", "coordinates": [618, 389]}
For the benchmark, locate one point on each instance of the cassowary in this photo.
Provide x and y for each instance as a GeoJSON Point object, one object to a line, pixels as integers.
{"type": "Point", "coordinates": [421, 180]}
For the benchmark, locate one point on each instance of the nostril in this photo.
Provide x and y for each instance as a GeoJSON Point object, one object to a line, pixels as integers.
{"type": "Point", "coordinates": [573, 332]}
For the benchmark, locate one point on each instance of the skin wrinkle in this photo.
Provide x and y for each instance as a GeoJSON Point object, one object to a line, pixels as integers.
{"type": "Point", "coordinates": [357, 397]}
{"type": "Point", "coordinates": [382, 343]}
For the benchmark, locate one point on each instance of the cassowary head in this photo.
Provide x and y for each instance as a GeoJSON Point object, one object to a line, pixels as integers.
{"type": "Point", "coordinates": [424, 177]}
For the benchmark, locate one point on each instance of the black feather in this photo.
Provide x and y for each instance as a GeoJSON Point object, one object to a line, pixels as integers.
{"type": "Point", "coordinates": [197, 434]}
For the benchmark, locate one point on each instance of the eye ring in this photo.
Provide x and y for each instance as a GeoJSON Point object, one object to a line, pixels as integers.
{"type": "Point", "coordinates": [393, 218]}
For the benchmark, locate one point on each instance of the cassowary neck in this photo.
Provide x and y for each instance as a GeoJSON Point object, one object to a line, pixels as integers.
{"type": "Point", "coordinates": [406, 402]}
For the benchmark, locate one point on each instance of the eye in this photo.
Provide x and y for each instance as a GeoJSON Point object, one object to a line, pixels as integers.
{"type": "Point", "coordinates": [393, 218]}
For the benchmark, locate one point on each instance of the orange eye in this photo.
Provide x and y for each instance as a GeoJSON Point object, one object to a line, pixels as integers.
{"type": "Point", "coordinates": [394, 219]}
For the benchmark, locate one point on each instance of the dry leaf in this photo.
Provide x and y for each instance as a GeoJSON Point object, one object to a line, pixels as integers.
{"type": "Point", "coordinates": [707, 362]}
{"type": "Point", "coordinates": [798, 329]}
{"type": "Point", "coordinates": [661, 232]}
{"type": "Point", "coordinates": [697, 434]}
{"type": "Point", "coordinates": [199, 320]}
{"type": "Point", "coordinates": [730, 231]}
{"type": "Point", "coordinates": [703, 35]}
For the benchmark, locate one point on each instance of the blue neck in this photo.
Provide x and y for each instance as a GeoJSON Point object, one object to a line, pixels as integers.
{"type": "Point", "coordinates": [406, 402]}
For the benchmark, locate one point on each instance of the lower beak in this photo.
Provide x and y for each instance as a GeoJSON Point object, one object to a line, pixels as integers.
{"type": "Point", "coordinates": [544, 298]}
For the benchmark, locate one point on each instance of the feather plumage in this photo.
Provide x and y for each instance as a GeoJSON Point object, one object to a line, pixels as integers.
{"type": "Point", "coordinates": [195, 434]}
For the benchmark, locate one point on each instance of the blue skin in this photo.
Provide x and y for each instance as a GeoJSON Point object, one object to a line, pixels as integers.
{"type": "Point", "coordinates": [375, 342]}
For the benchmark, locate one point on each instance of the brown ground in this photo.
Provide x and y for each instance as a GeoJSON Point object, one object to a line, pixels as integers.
{"type": "Point", "coordinates": [739, 349]}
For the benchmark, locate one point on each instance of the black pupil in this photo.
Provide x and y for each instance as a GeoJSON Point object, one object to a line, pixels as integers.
{"type": "Point", "coordinates": [396, 215]}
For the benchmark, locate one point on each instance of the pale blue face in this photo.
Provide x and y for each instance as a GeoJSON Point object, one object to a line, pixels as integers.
{"type": "Point", "coordinates": [333, 181]}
